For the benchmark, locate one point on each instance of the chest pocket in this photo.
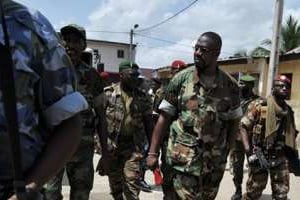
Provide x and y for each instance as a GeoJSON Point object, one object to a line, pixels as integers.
{"type": "Point", "coordinates": [198, 112]}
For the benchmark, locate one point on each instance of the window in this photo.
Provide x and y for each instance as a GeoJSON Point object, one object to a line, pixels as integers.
{"type": "Point", "coordinates": [120, 53]}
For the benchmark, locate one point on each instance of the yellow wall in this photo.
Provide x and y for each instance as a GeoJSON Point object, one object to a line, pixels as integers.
{"type": "Point", "coordinates": [261, 66]}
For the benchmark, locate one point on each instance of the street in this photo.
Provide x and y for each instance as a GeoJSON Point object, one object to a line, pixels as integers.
{"type": "Point", "coordinates": [101, 188]}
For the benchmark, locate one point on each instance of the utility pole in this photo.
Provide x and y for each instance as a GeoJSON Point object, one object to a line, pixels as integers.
{"type": "Point", "coordinates": [275, 51]}
{"type": "Point", "coordinates": [131, 41]}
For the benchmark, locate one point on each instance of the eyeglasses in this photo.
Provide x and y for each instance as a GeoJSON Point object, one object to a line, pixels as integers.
{"type": "Point", "coordinates": [282, 86]}
{"type": "Point", "coordinates": [203, 49]}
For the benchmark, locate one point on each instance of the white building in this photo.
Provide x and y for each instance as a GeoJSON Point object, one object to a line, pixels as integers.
{"type": "Point", "coordinates": [109, 53]}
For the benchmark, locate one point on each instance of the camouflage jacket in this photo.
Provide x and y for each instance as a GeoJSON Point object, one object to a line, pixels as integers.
{"type": "Point", "coordinates": [44, 80]}
{"type": "Point", "coordinates": [254, 121]}
{"type": "Point", "coordinates": [125, 115]}
{"type": "Point", "coordinates": [203, 119]}
{"type": "Point", "coordinates": [90, 85]}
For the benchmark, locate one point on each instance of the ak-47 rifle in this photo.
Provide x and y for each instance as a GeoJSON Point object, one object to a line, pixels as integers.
{"type": "Point", "coordinates": [260, 157]}
{"type": "Point", "coordinates": [7, 85]}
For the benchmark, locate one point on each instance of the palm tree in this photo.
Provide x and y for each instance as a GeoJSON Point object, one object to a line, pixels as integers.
{"type": "Point", "coordinates": [290, 39]}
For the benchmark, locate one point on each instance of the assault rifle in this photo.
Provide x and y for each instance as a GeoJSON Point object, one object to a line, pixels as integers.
{"type": "Point", "coordinates": [259, 157]}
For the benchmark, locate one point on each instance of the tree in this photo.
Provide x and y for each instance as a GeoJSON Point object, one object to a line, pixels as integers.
{"type": "Point", "coordinates": [290, 39]}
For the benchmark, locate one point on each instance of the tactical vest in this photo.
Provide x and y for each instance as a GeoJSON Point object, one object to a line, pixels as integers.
{"type": "Point", "coordinates": [116, 109]}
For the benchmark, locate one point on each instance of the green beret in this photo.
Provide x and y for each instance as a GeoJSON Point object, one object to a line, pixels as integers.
{"type": "Point", "coordinates": [127, 65]}
{"type": "Point", "coordinates": [247, 78]}
{"type": "Point", "coordinates": [74, 28]}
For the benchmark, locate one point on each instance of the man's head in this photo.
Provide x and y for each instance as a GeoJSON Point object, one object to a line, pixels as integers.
{"type": "Point", "coordinates": [281, 87]}
{"type": "Point", "coordinates": [207, 50]}
{"type": "Point", "coordinates": [129, 74]}
{"type": "Point", "coordinates": [246, 85]}
{"type": "Point", "coordinates": [74, 37]}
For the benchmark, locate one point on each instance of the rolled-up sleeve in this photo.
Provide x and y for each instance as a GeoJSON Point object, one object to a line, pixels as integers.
{"type": "Point", "coordinates": [57, 96]}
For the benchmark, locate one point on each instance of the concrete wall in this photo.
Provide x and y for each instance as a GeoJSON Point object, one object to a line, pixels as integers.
{"type": "Point", "coordinates": [108, 52]}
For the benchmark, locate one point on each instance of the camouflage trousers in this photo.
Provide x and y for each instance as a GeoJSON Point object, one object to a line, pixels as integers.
{"type": "Point", "coordinates": [125, 170]}
{"type": "Point", "coordinates": [80, 172]}
{"type": "Point", "coordinates": [167, 186]}
{"type": "Point", "coordinates": [204, 187]}
{"type": "Point", "coordinates": [258, 179]}
{"type": "Point", "coordinates": [238, 158]}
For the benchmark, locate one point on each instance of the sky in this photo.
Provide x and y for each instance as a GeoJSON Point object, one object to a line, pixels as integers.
{"type": "Point", "coordinates": [242, 24]}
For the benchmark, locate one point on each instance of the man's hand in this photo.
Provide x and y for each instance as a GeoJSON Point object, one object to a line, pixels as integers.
{"type": "Point", "coordinates": [152, 162]}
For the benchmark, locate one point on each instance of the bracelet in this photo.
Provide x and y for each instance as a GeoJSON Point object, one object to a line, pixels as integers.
{"type": "Point", "coordinates": [153, 154]}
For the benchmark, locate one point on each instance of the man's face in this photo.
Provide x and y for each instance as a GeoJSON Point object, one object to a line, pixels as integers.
{"type": "Point", "coordinates": [281, 89]}
{"type": "Point", "coordinates": [206, 52]}
{"type": "Point", "coordinates": [74, 45]}
{"type": "Point", "coordinates": [129, 77]}
{"type": "Point", "coordinates": [246, 88]}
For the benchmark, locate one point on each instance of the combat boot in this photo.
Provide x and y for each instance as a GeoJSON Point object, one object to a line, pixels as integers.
{"type": "Point", "coordinates": [238, 193]}
{"type": "Point", "coordinates": [142, 185]}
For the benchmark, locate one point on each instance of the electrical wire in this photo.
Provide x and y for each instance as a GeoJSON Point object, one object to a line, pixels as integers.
{"type": "Point", "coordinates": [163, 40]}
{"type": "Point", "coordinates": [169, 18]}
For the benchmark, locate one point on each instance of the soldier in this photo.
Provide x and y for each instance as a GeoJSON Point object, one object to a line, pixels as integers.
{"type": "Point", "coordinates": [128, 124]}
{"type": "Point", "coordinates": [167, 185]}
{"type": "Point", "coordinates": [80, 170]}
{"type": "Point", "coordinates": [45, 89]}
{"type": "Point", "coordinates": [238, 152]}
{"type": "Point", "coordinates": [271, 129]}
{"type": "Point", "coordinates": [202, 102]}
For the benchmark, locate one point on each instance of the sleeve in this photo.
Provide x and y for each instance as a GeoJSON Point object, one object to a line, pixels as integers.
{"type": "Point", "coordinates": [248, 119]}
{"type": "Point", "coordinates": [170, 97]}
{"type": "Point", "coordinates": [95, 83]}
{"type": "Point", "coordinates": [58, 99]}
{"type": "Point", "coordinates": [235, 111]}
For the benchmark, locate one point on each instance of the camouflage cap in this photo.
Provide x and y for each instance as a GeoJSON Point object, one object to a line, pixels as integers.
{"type": "Point", "coordinates": [74, 28]}
{"type": "Point", "coordinates": [127, 65]}
{"type": "Point", "coordinates": [247, 78]}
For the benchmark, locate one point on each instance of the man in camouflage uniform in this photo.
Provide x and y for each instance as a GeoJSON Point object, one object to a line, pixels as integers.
{"type": "Point", "coordinates": [202, 102]}
{"type": "Point", "coordinates": [238, 152]}
{"type": "Point", "coordinates": [128, 124]}
{"type": "Point", "coordinates": [271, 129]}
{"type": "Point", "coordinates": [167, 185]}
{"type": "Point", "coordinates": [80, 170]}
{"type": "Point", "coordinates": [45, 84]}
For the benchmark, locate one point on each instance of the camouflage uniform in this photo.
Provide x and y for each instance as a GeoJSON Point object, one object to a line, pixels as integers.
{"type": "Point", "coordinates": [45, 83]}
{"type": "Point", "coordinates": [199, 138]}
{"type": "Point", "coordinates": [127, 139]}
{"type": "Point", "coordinates": [80, 169]}
{"type": "Point", "coordinates": [273, 151]}
{"type": "Point", "coordinates": [238, 153]}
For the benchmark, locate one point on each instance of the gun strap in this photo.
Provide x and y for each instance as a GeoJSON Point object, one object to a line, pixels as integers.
{"type": "Point", "coordinates": [7, 85]}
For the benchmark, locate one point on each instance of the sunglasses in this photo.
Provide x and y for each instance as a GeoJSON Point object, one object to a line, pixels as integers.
{"type": "Point", "coordinates": [204, 49]}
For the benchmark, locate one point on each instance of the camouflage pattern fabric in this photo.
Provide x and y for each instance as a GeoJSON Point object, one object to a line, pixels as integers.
{"type": "Point", "coordinates": [254, 122]}
{"type": "Point", "coordinates": [258, 179]}
{"type": "Point", "coordinates": [44, 80]}
{"type": "Point", "coordinates": [238, 152]}
{"type": "Point", "coordinates": [198, 142]}
{"type": "Point", "coordinates": [80, 169]}
{"type": "Point", "coordinates": [127, 137]}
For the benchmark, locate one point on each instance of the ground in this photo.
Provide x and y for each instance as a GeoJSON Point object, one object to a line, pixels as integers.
{"type": "Point", "coordinates": [101, 188]}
